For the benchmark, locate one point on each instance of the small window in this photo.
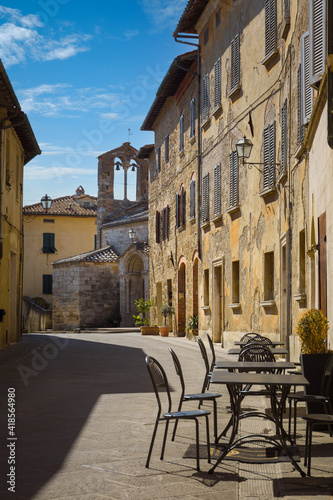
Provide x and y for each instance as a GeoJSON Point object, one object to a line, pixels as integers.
{"type": "Point", "coordinates": [181, 133]}
{"type": "Point", "coordinates": [165, 222]}
{"type": "Point", "coordinates": [205, 199]}
{"type": "Point", "coordinates": [48, 243]}
{"type": "Point", "coordinates": [159, 159]}
{"type": "Point", "coordinates": [86, 204]}
{"type": "Point", "coordinates": [235, 282]}
{"type": "Point", "coordinates": [166, 146]}
{"type": "Point", "coordinates": [217, 19]}
{"type": "Point", "coordinates": [269, 276]}
{"type": "Point", "coordinates": [206, 287]}
{"type": "Point", "coordinates": [48, 221]}
{"type": "Point", "coordinates": [95, 241]}
{"type": "Point", "coordinates": [235, 65]}
{"type": "Point", "coordinates": [206, 36]}
{"type": "Point", "coordinates": [192, 118]}
{"type": "Point", "coordinates": [233, 180]}
{"type": "Point", "coordinates": [47, 284]}
{"type": "Point", "coordinates": [270, 27]}
{"type": "Point", "coordinates": [217, 190]}
{"type": "Point", "coordinates": [158, 227]}
{"type": "Point", "coordinates": [192, 199]}
{"type": "Point", "coordinates": [169, 288]}
{"type": "Point", "coordinates": [286, 9]}
{"type": "Point", "coordinates": [269, 156]}
{"type": "Point", "coordinates": [181, 208]}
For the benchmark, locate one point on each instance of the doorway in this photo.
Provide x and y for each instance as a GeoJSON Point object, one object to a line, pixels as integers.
{"type": "Point", "coordinates": [217, 332]}
{"type": "Point", "coordinates": [181, 320]}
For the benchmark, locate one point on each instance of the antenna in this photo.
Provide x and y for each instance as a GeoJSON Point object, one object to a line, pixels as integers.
{"type": "Point", "coordinates": [129, 135]}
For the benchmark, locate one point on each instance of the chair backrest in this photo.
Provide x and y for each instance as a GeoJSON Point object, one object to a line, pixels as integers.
{"type": "Point", "coordinates": [211, 345]}
{"type": "Point", "coordinates": [263, 340]}
{"type": "Point", "coordinates": [256, 352]}
{"type": "Point", "coordinates": [326, 388]}
{"type": "Point", "coordinates": [178, 368]}
{"type": "Point", "coordinates": [205, 358]}
{"type": "Point", "coordinates": [248, 336]}
{"type": "Point", "coordinates": [159, 380]}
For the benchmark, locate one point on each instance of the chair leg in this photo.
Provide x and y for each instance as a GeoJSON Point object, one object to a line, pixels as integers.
{"type": "Point", "coordinates": [197, 441]}
{"type": "Point", "coordinates": [165, 438]}
{"type": "Point", "coordinates": [306, 444]}
{"type": "Point", "coordinates": [174, 430]}
{"type": "Point", "coordinates": [215, 420]}
{"type": "Point", "coordinates": [208, 442]}
{"type": "Point", "coordinates": [309, 451]}
{"type": "Point", "coordinates": [295, 419]}
{"type": "Point", "coordinates": [289, 418]}
{"type": "Point", "coordinates": [152, 443]}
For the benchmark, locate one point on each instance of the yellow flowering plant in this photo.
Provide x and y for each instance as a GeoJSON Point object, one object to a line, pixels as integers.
{"type": "Point", "coordinates": [312, 330]}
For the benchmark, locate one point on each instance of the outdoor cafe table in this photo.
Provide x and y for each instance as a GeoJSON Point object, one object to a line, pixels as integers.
{"type": "Point", "coordinates": [255, 365]}
{"type": "Point", "coordinates": [242, 343]}
{"type": "Point", "coordinates": [275, 350]}
{"type": "Point", "coordinates": [234, 382]}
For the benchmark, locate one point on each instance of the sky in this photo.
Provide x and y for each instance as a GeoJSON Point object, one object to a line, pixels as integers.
{"type": "Point", "coordinates": [86, 74]}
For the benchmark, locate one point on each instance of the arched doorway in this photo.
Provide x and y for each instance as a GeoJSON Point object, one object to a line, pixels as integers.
{"type": "Point", "coordinates": [181, 325]}
{"type": "Point", "coordinates": [134, 287]}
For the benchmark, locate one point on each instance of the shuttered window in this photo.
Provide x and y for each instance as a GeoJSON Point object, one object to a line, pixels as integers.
{"type": "Point", "coordinates": [235, 64]}
{"type": "Point", "coordinates": [159, 159]}
{"type": "Point", "coordinates": [284, 137]}
{"type": "Point", "coordinates": [47, 284]}
{"type": "Point", "coordinates": [269, 156]}
{"type": "Point", "coordinates": [233, 179]}
{"type": "Point", "coordinates": [177, 210]}
{"type": "Point", "coordinates": [158, 227]}
{"type": "Point", "coordinates": [181, 133]}
{"type": "Point", "coordinates": [205, 199]}
{"type": "Point", "coordinates": [166, 149]}
{"type": "Point", "coordinates": [205, 97]}
{"type": "Point", "coordinates": [300, 129]}
{"type": "Point", "coordinates": [217, 83]}
{"type": "Point", "coordinates": [165, 222]}
{"type": "Point", "coordinates": [270, 27]}
{"type": "Point", "coordinates": [48, 243]}
{"type": "Point", "coordinates": [286, 9]}
{"type": "Point", "coordinates": [192, 199]}
{"type": "Point", "coordinates": [317, 39]}
{"type": "Point", "coordinates": [192, 118]}
{"type": "Point", "coordinates": [307, 93]}
{"type": "Point", "coordinates": [217, 190]}
{"type": "Point", "coordinates": [181, 208]}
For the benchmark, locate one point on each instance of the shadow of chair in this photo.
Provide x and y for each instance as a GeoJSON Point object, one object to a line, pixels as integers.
{"type": "Point", "coordinates": [201, 397]}
{"type": "Point", "coordinates": [160, 383]}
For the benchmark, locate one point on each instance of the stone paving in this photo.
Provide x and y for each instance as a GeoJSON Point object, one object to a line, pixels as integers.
{"type": "Point", "coordinates": [85, 411]}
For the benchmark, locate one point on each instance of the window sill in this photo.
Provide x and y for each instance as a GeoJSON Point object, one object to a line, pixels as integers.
{"type": "Point", "coordinates": [205, 224]}
{"type": "Point", "coordinates": [181, 153]}
{"type": "Point", "coordinates": [193, 140]}
{"type": "Point", "coordinates": [300, 297]}
{"type": "Point", "coordinates": [282, 176]}
{"type": "Point", "coordinates": [268, 303]}
{"type": "Point", "coordinates": [206, 122]}
{"type": "Point", "coordinates": [234, 91]}
{"type": "Point", "coordinates": [235, 305]}
{"type": "Point", "coordinates": [217, 109]}
{"type": "Point", "coordinates": [299, 151]}
{"type": "Point", "coordinates": [269, 57]}
{"type": "Point", "coordinates": [268, 191]}
{"type": "Point", "coordinates": [285, 28]}
{"type": "Point", "coordinates": [205, 308]}
{"type": "Point", "coordinates": [192, 220]}
{"type": "Point", "coordinates": [233, 209]}
{"type": "Point", "coordinates": [216, 218]}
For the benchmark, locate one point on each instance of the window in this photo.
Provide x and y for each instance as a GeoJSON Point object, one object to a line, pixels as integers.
{"type": "Point", "coordinates": [217, 19]}
{"type": "Point", "coordinates": [235, 282]}
{"type": "Point", "coordinates": [307, 94]}
{"type": "Point", "coordinates": [205, 199]}
{"type": "Point", "coordinates": [286, 9]}
{"type": "Point", "coordinates": [205, 97]}
{"type": "Point", "coordinates": [233, 181]}
{"type": "Point", "coordinates": [48, 221]}
{"type": "Point", "coordinates": [269, 276]}
{"type": "Point", "coordinates": [192, 199]}
{"type": "Point", "coordinates": [284, 138]}
{"type": "Point", "coordinates": [317, 40]}
{"type": "Point", "coordinates": [181, 133]}
{"type": "Point", "coordinates": [217, 84]}
{"type": "Point", "coordinates": [48, 243]}
{"type": "Point", "coordinates": [192, 118]}
{"type": "Point", "coordinates": [166, 149]}
{"type": "Point", "coordinates": [158, 227]}
{"type": "Point", "coordinates": [300, 129]}
{"type": "Point", "coordinates": [269, 156]}
{"type": "Point", "coordinates": [235, 66]}
{"type": "Point", "coordinates": [159, 159]}
{"type": "Point", "coordinates": [206, 287]}
{"type": "Point", "coordinates": [217, 190]}
{"type": "Point", "coordinates": [165, 222]}
{"type": "Point", "coordinates": [270, 27]}
{"type": "Point", "coordinates": [47, 284]}
{"type": "Point", "coordinates": [302, 261]}
{"type": "Point", "coordinates": [181, 208]}
{"type": "Point", "coordinates": [206, 36]}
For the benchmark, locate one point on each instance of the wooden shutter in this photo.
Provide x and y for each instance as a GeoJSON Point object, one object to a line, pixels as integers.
{"type": "Point", "coordinates": [217, 83]}
{"type": "Point", "coordinates": [235, 63]}
{"type": "Point", "coordinates": [307, 94]}
{"type": "Point", "coordinates": [205, 97]}
{"type": "Point", "coordinates": [177, 210]}
{"type": "Point", "coordinates": [286, 9]}
{"type": "Point", "coordinates": [300, 129]}
{"type": "Point", "coordinates": [182, 212]}
{"type": "Point", "coordinates": [166, 148]}
{"type": "Point", "coordinates": [47, 283]}
{"type": "Point", "coordinates": [181, 133]}
{"type": "Point", "coordinates": [284, 138]}
{"type": "Point", "coordinates": [317, 39]}
{"type": "Point", "coordinates": [233, 179]}
{"type": "Point", "coordinates": [167, 221]}
{"type": "Point", "coordinates": [158, 227]}
{"type": "Point", "coordinates": [163, 224]}
{"type": "Point", "coordinates": [217, 189]}
{"type": "Point", "coordinates": [269, 156]}
{"type": "Point", "coordinates": [192, 118]}
{"type": "Point", "coordinates": [192, 199]}
{"type": "Point", "coordinates": [159, 159]}
{"type": "Point", "coordinates": [205, 198]}
{"type": "Point", "coordinates": [270, 27]}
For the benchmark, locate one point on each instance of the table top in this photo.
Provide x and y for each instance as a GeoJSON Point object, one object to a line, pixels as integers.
{"type": "Point", "coordinates": [255, 365]}
{"type": "Point", "coordinates": [244, 342]}
{"type": "Point", "coordinates": [235, 378]}
{"type": "Point", "coordinates": [275, 350]}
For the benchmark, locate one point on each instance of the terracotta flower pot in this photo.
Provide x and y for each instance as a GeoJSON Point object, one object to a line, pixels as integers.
{"type": "Point", "coordinates": [164, 331]}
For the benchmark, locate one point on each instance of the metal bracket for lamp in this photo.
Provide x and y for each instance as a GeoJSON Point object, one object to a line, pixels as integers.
{"type": "Point", "coordinates": [244, 147]}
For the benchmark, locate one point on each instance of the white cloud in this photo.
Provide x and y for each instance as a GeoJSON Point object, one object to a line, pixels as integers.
{"type": "Point", "coordinates": [20, 40]}
{"type": "Point", "coordinates": [35, 172]}
{"type": "Point", "coordinates": [129, 34]}
{"type": "Point", "coordinates": [163, 13]}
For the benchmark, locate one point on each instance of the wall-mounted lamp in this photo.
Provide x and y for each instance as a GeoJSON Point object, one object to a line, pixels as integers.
{"type": "Point", "coordinates": [244, 147]}
{"type": "Point", "coordinates": [46, 202]}
{"type": "Point", "coordinates": [132, 234]}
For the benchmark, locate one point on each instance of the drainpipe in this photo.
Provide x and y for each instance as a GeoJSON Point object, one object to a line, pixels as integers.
{"type": "Point", "coordinates": [197, 45]}
{"type": "Point", "coordinates": [289, 232]}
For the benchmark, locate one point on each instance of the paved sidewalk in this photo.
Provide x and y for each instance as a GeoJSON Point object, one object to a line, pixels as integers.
{"type": "Point", "coordinates": [85, 411]}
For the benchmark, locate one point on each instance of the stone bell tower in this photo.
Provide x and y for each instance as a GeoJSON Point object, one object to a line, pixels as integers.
{"type": "Point", "coordinates": [109, 208]}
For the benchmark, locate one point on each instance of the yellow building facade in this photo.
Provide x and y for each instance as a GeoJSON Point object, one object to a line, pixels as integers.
{"type": "Point", "coordinates": [18, 146]}
{"type": "Point", "coordinates": [66, 229]}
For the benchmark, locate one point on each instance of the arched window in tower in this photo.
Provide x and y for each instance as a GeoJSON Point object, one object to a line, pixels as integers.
{"type": "Point", "coordinates": [132, 180]}
{"type": "Point", "coordinates": [119, 179]}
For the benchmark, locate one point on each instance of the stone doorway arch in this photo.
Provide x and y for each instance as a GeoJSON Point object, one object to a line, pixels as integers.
{"type": "Point", "coordinates": [133, 272]}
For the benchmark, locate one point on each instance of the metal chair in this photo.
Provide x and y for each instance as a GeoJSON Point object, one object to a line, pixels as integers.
{"type": "Point", "coordinates": [208, 373]}
{"type": "Point", "coordinates": [160, 382]}
{"type": "Point", "coordinates": [313, 419]}
{"type": "Point", "coordinates": [205, 396]}
{"type": "Point", "coordinates": [249, 336]}
{"type": "Point", "coordinates": [256, 352]}
{"type": "Point", "coordinates": [324, 397]}
{"type": "Point", "coordinates": [211, 345]}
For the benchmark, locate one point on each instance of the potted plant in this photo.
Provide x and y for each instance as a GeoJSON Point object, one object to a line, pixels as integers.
{"type": "Point", "coordinates": [142, 320]}
{"type": "Point", "coordinates": [312, 330]}
{"type": "Point", "coordinates": [166, 310]}
{"type": "Point", "coordinates": [192, 326]}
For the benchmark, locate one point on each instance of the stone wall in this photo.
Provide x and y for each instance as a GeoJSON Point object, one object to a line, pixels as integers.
{"type": "Point", "coordinates": [118, 238]}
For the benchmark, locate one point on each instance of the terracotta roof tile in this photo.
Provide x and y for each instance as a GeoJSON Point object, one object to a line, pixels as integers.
{"type": "Point", "coordinates": [106, 254]}
{"type": "Point", "coordinates": [66, 205]}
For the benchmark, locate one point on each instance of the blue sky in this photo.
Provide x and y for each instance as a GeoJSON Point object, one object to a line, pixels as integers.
{"type": "Point", "coordinates": [84, 72]}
